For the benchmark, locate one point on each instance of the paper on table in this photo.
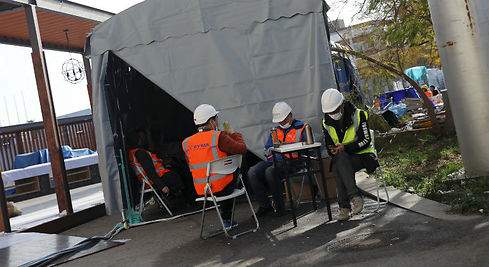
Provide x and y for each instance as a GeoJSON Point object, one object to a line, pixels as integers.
{"type": "Point", "coordinates": [291, 146]}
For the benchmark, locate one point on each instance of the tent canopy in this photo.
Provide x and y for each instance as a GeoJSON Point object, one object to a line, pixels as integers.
{"type": "Point", "coordinates": [240, 56]}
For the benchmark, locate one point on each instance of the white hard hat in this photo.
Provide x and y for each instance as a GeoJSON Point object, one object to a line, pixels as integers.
{"type": "Point", "coordinates": [331, 100]}
{"type": "Point", "coordinates": [203, 113]}
{"type": "Point", "coordinates": [280, 111]}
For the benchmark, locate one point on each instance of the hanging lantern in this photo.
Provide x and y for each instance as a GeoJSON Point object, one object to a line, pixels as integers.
{"type": "Point", "coordinates": [72, 69]}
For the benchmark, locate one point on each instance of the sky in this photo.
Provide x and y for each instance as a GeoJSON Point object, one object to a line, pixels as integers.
{"type": "Point", "coordinates": [19, 101]}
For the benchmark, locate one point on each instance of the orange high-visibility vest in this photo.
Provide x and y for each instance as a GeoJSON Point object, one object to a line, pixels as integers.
{"type": "Point", "coordinates": [294, 135]}
{"type": "Point", "coordinates": [200, 149]}
{"type": "Point", "coordinates": [138, 168]}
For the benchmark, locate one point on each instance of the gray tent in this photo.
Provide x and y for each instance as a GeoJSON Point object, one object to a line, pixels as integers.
{"type": "Point", "coordinates": [241, 56]}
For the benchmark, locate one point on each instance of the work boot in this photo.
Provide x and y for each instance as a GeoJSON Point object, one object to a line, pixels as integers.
{"type": "Point", "coordinates": [262, 211]}
{"type": "Point", "coordinates": [344, 214]}
{"type": "Point", "coordinates": [357, 205]}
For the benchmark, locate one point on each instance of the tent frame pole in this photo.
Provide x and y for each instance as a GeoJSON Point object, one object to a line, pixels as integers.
{"type": "Point", "coordinates": [88, 74]}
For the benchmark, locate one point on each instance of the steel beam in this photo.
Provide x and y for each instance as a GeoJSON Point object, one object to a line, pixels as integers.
{"type": "Point", "coordinates": [67, 8]}
{"type": "Point", "coordinates": [48, 112]}
{"type": "Point", "coordinates": [49, 46]}
{"type": "Point", "coordinates": [74, 9]}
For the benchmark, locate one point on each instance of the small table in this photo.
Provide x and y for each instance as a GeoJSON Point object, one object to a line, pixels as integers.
{"type": "Point", "coordinates": [306, 153]}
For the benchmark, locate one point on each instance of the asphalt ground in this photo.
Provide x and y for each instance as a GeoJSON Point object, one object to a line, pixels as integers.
{"type": "Point", "coordinates": [390, 237]}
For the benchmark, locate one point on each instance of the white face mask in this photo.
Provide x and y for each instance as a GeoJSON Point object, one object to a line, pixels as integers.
{"type": "Point", "coordinates": [285, 126]}
{"type": "Point", "coordinates": [336, 116]}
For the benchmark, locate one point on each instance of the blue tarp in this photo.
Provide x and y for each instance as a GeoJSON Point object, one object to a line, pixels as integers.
{"type": "Point", "coordinates": [42, 156]}
{"type": "Point", "coordinates": [397, 96]}
{"type": "Point", "coordinates": [419, 74]}
{"type": "Point", "coordinates": [344, 72]}
{"type": "Point", "coordinates": [398, 109]}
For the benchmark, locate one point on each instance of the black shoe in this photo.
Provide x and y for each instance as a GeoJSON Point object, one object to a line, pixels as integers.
{"type": "Point", "coordinates": [262, 211]}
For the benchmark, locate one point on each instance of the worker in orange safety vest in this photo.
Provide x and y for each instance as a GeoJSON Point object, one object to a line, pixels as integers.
{"type": "Point", "coordinates": [207, 145]}
{"type": "Point", "coordinates": [148, 166]}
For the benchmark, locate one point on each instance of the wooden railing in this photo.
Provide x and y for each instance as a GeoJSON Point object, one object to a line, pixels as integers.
{"type": "Point", "coordinates": [75, 132]}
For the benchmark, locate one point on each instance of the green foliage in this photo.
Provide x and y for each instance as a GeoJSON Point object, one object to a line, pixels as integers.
{"type": "Point", "coordinates": [402, 35]}
{"type": "Point", "coordinates": [471, 196]}
{"type": "Point", "coordinates": [422, 163]}
{"type": "Point", "coordinates": [407, 22]}
{"type": "Point", "coordinates": [377, 123]}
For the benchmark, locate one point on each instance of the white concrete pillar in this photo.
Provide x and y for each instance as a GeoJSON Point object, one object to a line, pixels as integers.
{"type": "Point", "coordinates": [462, 36]}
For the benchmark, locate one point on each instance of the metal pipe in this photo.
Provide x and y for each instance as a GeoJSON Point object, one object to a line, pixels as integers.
{"type": "Point", "coordinates": [462, 35]}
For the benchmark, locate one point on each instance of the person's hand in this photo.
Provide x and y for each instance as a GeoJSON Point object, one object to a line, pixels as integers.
{"type": "Point", "coordinates": [268, 152]}
{"type": "Point", "coordinates": [332, 150]}
{"type": "Point", "coordinates": [340, 148]}
{"type": "Point", "coordinates": [165, 190]}
{"type": "Point", "coordinates": [227, 127]}
{"type": "Point", "coordinates": [335, 150]}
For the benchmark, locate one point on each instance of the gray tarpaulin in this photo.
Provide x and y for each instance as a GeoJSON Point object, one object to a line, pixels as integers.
{"type": "Point", "coordinates": [241, 56]}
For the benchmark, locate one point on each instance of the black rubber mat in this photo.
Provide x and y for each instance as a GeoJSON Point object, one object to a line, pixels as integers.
{"type": "Point", "coordinates": [19, 248]}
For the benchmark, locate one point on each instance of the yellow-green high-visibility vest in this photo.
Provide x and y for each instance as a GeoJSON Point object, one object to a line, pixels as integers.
{"type": "Point", "coordinates": [351, 133]}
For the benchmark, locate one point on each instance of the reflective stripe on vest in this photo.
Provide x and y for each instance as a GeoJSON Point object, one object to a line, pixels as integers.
{"type": "Point", "coordinates": [201, 149]}
{"type": "Point", "coordinates": [351, 133]}
{"type": "Point", "coordinates": [212, 178]}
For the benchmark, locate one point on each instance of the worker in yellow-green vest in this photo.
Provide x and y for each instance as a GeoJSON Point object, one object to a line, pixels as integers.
{"type": "Point", "coordinates": [348, 141]}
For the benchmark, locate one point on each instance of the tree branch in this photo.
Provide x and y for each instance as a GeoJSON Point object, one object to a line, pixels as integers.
{"type": "Point", "coordinates": [426, 101]}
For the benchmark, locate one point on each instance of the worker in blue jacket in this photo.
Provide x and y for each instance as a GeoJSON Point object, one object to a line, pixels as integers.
{"type": "Point", "coordinates": [264, 178]}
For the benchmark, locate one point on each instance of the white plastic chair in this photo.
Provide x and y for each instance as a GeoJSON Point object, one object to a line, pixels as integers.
{"type": "Point", "coordinates": [151, 189]}
{"type": "Point", "coordinates": [225, 166]}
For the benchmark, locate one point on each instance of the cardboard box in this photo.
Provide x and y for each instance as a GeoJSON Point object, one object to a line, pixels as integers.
{"type": "Point", "coordinates": [306, 194]}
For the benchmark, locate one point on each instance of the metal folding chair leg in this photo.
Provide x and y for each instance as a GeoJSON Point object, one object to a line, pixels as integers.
{"type": "Point", "coordinates": [299, 198]}
{"type": "Point", "coordinates": [203, 218]}
{"type": "Point", "coordinates": [160, 200]}
{"type": "Point", "coordinates": [386, 192]}
{"type": "Point", "coordinates": [225, 166]}
{"type": "Point", "coordinates": [257, 223]}
{"type": "Point", "coordinates": [216, 206]}
{"type": "Point", "coordinates": [380, 177]}
{"type": "Point", "coordinates": [232, 211]}
{"type": "Point", "coordinates": [301, 192]}
{"type": "Point", "coordinates": [141, 200]}
{"type": "Point", "coordinates": [224, 229]}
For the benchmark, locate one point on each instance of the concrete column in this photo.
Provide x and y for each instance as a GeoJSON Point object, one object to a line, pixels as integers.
{"type": "Point", "coordinates": [462, 36]}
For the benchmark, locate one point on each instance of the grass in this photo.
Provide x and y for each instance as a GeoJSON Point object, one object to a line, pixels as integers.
{"type": "Point", "coordinates": [421, 163]}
